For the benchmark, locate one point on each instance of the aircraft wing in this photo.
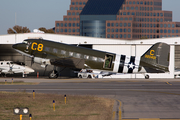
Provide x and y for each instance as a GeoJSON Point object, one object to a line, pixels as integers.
{"type": "Point", "coordinates": [68, 62]}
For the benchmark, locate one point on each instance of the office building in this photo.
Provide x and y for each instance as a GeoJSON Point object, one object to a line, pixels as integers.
{"type": "Point", "coordinates": [118, 19]}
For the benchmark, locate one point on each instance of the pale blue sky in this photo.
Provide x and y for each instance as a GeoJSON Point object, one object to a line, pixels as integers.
{"type": "Point", "coordinates": [43, 13]}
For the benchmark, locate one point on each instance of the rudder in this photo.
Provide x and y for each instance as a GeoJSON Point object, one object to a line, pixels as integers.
{"type": "Point", "coordinates": [156, 59]}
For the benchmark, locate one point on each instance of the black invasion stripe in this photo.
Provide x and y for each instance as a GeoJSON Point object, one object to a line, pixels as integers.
{"type": "Point", "coordinates": [132, 60]}
{"type": "Point", "coordinates": [121, 65]}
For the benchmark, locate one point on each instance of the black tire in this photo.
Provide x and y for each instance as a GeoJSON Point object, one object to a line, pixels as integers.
{"type": "Point", "coordinates": [89, 76]}
{"type": "Point", "coordinates": [80, 76]}
{"type": "Point", "coordinates": [53, 74]}
{"type": "Point", "coordinates": [146, 76]}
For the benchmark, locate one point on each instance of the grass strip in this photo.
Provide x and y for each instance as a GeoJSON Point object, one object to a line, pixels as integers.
{"type": "Point", "coordinates": [41, 108]}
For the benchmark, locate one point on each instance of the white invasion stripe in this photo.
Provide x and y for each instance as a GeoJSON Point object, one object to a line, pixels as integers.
{"type": "Point", "coordinates": [116, 63]}
{"type": "Point", "coordinates": [127, 60]}
{"type": "Point", "coordinates": [137, 62]}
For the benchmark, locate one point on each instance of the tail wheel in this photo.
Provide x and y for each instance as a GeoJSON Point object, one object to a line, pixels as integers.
{"type": "Point", "coordinates": [146, 76]}
{"type": "Point", "coordinates": [53, 74]}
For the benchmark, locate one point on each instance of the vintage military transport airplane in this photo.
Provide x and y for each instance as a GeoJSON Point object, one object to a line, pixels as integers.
{"type": "Point", "coordinates": [46, 52]}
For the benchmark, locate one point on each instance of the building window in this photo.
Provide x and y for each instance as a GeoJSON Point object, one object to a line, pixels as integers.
{"type": "Point", "coordinates": [169, 25]}
{"type": "Point", "coordinates": [124, 30]}
{"type": "Point", "coordinates": [78, 30]}
{"type": "Point", "coordinates": [76, 8]}
{"type": "Point", "coordinates": [161, 31]}
{"type": "Point", "coordinates": [120, 30]}
{"type": "Point", "coordinates": [74, 19]}
{"type": "Point", "coordinates": [74, 24]}
{"type": "Point", "coordinates": [57, 30]}
{"type": "Point", "coordinates": [165, 25]}
{"type": "Point", "coordinates": [121, 19]}
{"type": "Point", "coordinates": [176, 31]}
{"type": "Point", "coordinates": [124, 35]}
{"type": "Point", "coordinates": [116, 35]}
{"type": "Point", "coordinates": [72, 8]}
{"type": "Point", "coordinates": [73, 3]}
{"type": "Point", "coordinates": [61, 30]}
{"type": "Point", "coordinates": [108, 30]}
{"type": "Point", "coordinates": [65, 19]}
{"type": "Point", "coordinates": [77, 3]}
{"type": "Point", "coordinates": [77, 13]}
{"type": "Point", "coordinates": [65, 30]}
{"type": "Point", "coordinates": [65, 24]}
{"type": "Point", "coordinates": [69, 24]}
{"type": "Point", "coordinates": [169, 31]}
{"type": "Point", "coordinates": [80, 3]}
{"type": "Point", "coordinates": [116, 24]}
{"type": "Point", "coordinates": [80, 8]}
{"type": "Point", "coordinates": [112, 36]}
{"type": "Point", "coordinates": [74, 30]}
{"type": "Point", "coordinates": [125, 24]}
{"type": "Point", "coordinates": [108, 36]}
{"type": "Point", "coordinates": [84, 3]}
{"type": "Point", "coordinates": [69, 30]}
{"type": "Point", "coordinates": [112, 30]}
{"type": "Point", "coordinates": [173, 26]}
{"type": "Point", "coordinates": [172, 31]}
{"type": "Point", "coordinates": [108, 24]}
{"type": "Point", "coordinates": [120, 35]}
{"type": "Point", "coordinates": [112, 24]}
{"type": "Point", "coordinates": [77, 24]}
{"type": "Point", "coordinates": [137, 2]}
{"type": "Point", "coordinates": [165, 31]}
{"type": "Point", "coordinates": [127, 8]}
{"type": "Point", "coordinates": [129, 30]}
{"type": "Point", "coordinates": [141, 2]}
{"type": "Point", "coordinates": [57, 24]}
{"type": "Point", "coordinates": [70, 19]}
{"type": "Point", "coordinates": [116, 30]}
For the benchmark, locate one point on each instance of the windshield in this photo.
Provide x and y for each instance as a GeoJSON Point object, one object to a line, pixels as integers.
{"type": "Point", "coordinates": [25, 42]}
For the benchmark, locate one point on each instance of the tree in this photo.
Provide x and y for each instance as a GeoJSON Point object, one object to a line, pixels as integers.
{"type": "Point", "coordinates": [18, 29]}
{"type": "Point", "coordinates": [46, 30]}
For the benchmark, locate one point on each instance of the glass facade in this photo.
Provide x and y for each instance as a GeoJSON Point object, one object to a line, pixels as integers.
{"type": "Point", "coordinates": [127, 19]}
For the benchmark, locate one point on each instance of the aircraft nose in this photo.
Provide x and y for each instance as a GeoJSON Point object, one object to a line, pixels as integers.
{"type": "Point", "coordinates": [14, 46]}
{"type": "Point", "coordinates": [28, 69]}
{"type": "Point", "coordinates": [19, 46]}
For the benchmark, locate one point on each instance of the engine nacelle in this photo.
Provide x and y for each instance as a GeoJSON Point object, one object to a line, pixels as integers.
{"type": "Point", "coordinates": [43, 62]}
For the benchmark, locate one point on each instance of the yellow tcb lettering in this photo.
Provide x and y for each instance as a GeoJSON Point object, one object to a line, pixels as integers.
{"type": "Point", "coordinates": [152, 52]}
{"type": "Point", "coordinates": [32, 47]}
{"type": "Point", "coordinates": [40, 47]}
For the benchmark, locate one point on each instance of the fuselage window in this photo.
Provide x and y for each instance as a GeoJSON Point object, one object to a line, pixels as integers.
{"type": "Point", "coordinates": [63, 52]}
{"type": "Point", "coordinates": [7, 63]}
{"type": "Point", "coordinates": [1, 63]}
{"type": "Point", "coordinates": [100, 60]}
{"type": "Point", "coordinates": [108, 61]}
{"type": "Point", "coordinates": [47, 49]}
{"type": "Point", "coordinates": [94, 58]}
{"type": "Point", "coordinates": [86, 57]}
{"type": "Point", "coordinates": [55, 50]}
{"type": "Point", "coordinates": [78, 55]}
{"type": "Point", "coordinates": [70, 53]}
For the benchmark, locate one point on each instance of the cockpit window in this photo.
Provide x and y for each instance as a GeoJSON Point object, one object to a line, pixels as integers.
{"type": "Point", "coordinates": [7, 63]}
{"type": "Point", "coordinates": [25, 42]}
{"type": "Point", "coordinates": [12, 63]}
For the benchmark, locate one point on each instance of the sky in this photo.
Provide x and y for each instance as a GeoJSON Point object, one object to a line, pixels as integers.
{"type": "Point", "coordinates": [43, 13]}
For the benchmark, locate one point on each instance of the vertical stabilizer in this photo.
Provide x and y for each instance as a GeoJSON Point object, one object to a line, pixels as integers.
{"type": "Point", "coordinates": [156, 59]}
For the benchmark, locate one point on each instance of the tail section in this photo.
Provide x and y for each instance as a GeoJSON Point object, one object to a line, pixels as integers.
{"type": "Point", "coordinates": [156, 59]}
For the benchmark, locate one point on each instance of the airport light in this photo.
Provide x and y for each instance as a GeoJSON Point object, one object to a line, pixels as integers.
{"type": "Point", "coordinates": [21, 111]}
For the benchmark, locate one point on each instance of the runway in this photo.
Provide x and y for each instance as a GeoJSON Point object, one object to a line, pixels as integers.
{"type": "Point", "coordinates": [139, 98]}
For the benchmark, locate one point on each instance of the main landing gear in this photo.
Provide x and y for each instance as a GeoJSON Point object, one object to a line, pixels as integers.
{"type": "Point", "coordinates": [53, 74]}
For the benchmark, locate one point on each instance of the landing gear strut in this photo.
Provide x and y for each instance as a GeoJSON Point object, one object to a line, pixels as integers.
{"type": "Point", "coordinates": [53, 74]}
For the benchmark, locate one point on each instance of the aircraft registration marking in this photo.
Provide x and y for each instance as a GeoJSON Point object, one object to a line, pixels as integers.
{"type": "Point", "coordinates": [38, 47]}
{"type": "Point", "coordinates": [151, 56]}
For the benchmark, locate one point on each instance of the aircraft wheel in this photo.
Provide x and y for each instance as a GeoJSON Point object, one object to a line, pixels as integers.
{"type": "Point", "coordinates": [89, 76]}
{"type": "Point", "coordinates": [80, 76]}
{"type": "Point", "coordinates": [53, 74]}
{"type": "Point", "coordinates": [146, 76]}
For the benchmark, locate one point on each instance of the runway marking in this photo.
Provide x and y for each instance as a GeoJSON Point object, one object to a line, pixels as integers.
{"type": "Point", "coordinates": [114, 113]}
{"type": "Point", "coordinates": [155, 92]}
{"type": "Point", "coordinates": [168, 83]}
